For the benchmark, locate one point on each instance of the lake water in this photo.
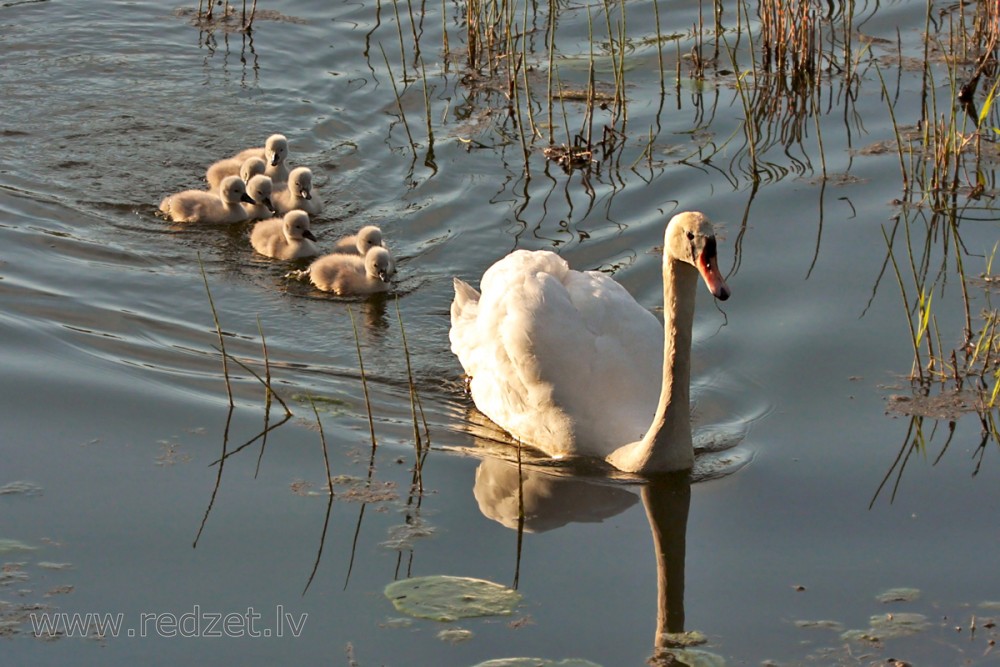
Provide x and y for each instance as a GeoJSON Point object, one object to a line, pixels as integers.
{"type": "Point", "coordinates": [114, 403]}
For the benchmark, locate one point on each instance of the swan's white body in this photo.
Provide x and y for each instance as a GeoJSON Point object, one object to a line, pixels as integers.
{"type": "Point", "coordinates": [569, 363]}
{"type": "Point", "coordinates": [349, 275]}
{"type": "Point", "coordinates": [298, 194]}
{"type": "Point", "coordinates": [259, 188]}
{"type": "Point", "coordinates": [246, 170]}
{"type": "Point", "coordinates": [208, 207]}
{"type": "Point", "coordinates": [284, 238]}
{"type": "Point", "coordinates": [368, 237]}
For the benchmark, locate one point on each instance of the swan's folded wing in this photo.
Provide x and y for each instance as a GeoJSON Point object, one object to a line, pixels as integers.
{"type": "Point", "coordinates": [561, 360]}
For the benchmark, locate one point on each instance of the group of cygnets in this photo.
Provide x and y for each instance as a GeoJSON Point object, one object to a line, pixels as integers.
{"type": "Point", "coordinates": [256, 184]}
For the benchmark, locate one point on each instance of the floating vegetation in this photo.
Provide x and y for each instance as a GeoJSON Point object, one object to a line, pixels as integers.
{"type": "Point", "coordinates": [229, 19]}
{"type": "Point", "coordinates": [324, 403]}
{"type": "Point", "coordinates": [455, 635]}
{"type": "Point", "coordinates": [353, 489]}
{"type": "Point", "coordinates": [688, 657]}
{"type": "Point", "coordinates": [683, 639]}
{"type": "Point", "coordinates": [21, 489]}
{"type": "Point", "coordinates": [820, 625]}
{"type": "Point", "coordinates": [447, 598]}
{"type": "Point", "coordinates": [47, 565]}
{"type": "Point", "coordinates": [899, 595]}
{"type": "Point", "coordinates": [18, 617]}
{"type": "Point", "coordinates": [8, 546]}
{"type": "Point", "coordinates": [403, 536]}
{"type": "Point", "coordinates": [889, 626]}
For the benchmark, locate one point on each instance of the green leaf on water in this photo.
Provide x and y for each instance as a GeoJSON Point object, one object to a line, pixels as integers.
{"type": "Point", "coordinates": [444, 598]}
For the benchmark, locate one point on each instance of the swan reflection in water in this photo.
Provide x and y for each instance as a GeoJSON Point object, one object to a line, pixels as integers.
{"type": "Point", "coordinates": [532, 500]}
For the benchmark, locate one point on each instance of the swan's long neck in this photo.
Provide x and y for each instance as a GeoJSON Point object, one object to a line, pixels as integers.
{"type": "Point", "coordinates": [667, 446]}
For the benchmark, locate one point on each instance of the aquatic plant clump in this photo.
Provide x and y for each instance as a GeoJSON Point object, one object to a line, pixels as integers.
{"type": "Point", "coordinates": [446, 598]}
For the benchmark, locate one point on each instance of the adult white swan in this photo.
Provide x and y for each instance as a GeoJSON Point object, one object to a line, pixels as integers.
{"type": "Point", "coordinates": [568, 362]}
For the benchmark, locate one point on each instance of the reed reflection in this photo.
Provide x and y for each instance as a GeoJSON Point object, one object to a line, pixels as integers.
{"type": "Point", "coordinates": [956, 350]}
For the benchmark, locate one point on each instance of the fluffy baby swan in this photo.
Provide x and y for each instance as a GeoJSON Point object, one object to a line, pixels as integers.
{"type": "Point", "coordinates": [368, 237]}
{"type": "Point", "coordinates": [284, 238]}
{"type": "Point", "coordinates": [348, 275]}
{"type": "Point", "coordinates": [298, 195]}
{"type": "Point", "coordinates": [201, 206]}
{"type": "Point", "coordinates": [246, 169]}
{"type": "Point", "coordinates": [259, 188]}
{"type": "Point", "coordinates": [274, 153]}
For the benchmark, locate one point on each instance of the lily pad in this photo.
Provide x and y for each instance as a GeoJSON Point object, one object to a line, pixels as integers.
{"type": "Point", "coordinates": [445, 598]}
{"type": "Point", "coordinates": [889, 626]}
{"type": "Point", "coordinates": [899, 595]}
{"type": "Point", "coordinates": [536, 662]}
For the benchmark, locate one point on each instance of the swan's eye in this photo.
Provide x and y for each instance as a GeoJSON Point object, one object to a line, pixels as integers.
{"type": "Point", "coordinates": [690, 236]}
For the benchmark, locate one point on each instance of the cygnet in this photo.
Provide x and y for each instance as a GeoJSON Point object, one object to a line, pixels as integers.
{"type": "Point", "coordinates": [246, 169]}
{"type": "Point", "coordinates": [284, 238]}
{"type": "Point", "coordinates": [259, 188]}
{"type": "Point", "coordinates": [298, 194]}
{"type": "Point", "coordinates": [367, 237]}
{"type": "Point", "coordinates": [274, 153]}
{"type": "Point", "coordinates": [348, 275]}
{"type": "Point", "coordinates": [201, 206]}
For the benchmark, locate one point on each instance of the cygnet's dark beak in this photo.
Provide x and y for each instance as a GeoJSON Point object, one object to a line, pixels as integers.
{"type": "Point", "coordinates": [270, 207]}
{"type": "Point", "coordinates": [247, 198]}
{"type": "Point", "coordinates": [274, 159]}
{"type": "Point", "coordinates": [305, 194]}
{"type": "Point", "coordinates": [309, 235]}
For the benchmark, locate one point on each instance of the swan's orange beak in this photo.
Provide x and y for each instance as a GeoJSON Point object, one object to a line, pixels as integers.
{"type": "Point", "coordinates": [708, 267]}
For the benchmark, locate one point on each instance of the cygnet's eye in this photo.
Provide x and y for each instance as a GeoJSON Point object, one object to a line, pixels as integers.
{"type": "Point", "coordinates": [690, 236]}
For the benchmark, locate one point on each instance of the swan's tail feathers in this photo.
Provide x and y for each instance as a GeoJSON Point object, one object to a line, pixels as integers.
{"type": "Point", "coordinates": [464, 313]}
{"type": "Point", "coordinates": [465, 296]}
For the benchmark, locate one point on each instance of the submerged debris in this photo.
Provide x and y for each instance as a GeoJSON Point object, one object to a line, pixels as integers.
{"type": "Point", "coordinates": [948, 404]}
{"type": "Point", "coordinates": [569, 157]}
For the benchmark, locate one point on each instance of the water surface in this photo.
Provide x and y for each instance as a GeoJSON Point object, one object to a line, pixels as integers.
{"type": "Point", "coordinates": [114, 402]}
